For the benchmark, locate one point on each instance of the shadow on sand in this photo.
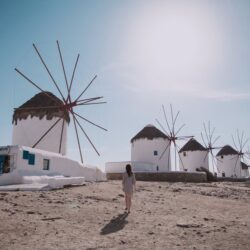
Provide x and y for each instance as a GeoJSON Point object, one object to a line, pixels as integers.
{"type": "Point", "coordinates": [116, 224]}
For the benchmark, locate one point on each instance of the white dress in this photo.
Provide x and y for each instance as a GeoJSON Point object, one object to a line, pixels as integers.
{"type": "Point", "coordinates": [128, 183]}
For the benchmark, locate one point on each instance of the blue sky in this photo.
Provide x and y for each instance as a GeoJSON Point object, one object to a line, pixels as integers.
{"type": "Point", "coordinates": [193, 54]}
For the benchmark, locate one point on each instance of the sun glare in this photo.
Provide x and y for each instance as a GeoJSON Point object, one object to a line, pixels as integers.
{"type": "Point", "coordinates": [174, 44]}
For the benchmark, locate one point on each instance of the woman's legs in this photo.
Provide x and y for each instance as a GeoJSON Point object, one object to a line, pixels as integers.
{"type": "Point", "coordinates": [129, 199]}
{"type": "Point", "coordinates": [126, 201]}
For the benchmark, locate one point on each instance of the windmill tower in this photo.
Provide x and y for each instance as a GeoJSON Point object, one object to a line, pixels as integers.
{"type": "Point", "coordinates": [32, 119]}
{"type": "Point", "coordinates": [172, 134]}
{"type": "Point", "coordinates": [193, 156]}
{"type": "Point", "coordinates": [42, 121]}
{"type": "Point", "coordinates": [232, 161]}
{"type": "Point", "coordinates": [227, 159]}
{"type": "Point", "coordinates": [146, 146]}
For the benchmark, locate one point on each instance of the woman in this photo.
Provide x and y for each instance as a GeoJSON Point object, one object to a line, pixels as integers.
{"type": "Point", "coordinates": [128, 185]}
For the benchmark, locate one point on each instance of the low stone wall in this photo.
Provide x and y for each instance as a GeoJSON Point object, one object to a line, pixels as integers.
{"type": "Point", "coordinates": [166, 176]}
{"type": "Point", "coordinates": [233, 179]}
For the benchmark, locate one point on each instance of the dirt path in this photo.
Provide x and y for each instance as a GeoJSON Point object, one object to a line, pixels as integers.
{"type": "Point", "coordinates": [164, 216]}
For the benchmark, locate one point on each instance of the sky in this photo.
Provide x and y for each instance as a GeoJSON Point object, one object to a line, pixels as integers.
{"type": "Point", "coordinates": [194, 55]}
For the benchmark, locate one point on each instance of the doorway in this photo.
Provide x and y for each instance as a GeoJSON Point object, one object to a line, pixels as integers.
{"type": "Point", "coordinates": [4, 164]}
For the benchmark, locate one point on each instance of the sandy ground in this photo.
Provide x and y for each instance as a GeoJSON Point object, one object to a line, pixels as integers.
{"type": "Point", "coordinates": [164, 216]}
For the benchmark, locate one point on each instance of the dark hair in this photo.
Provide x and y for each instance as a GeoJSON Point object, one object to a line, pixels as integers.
{"type": "Point", "coordinates": [129, 169]}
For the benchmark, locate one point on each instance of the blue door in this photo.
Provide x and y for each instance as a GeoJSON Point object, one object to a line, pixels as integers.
{"type": "Point", "coordinates": [2, 159]}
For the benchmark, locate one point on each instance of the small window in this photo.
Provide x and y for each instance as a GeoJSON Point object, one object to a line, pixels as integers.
{"type": "Point", "coordinates": [221, 156]}
{"type": "Point", "coordinates": [184, 153]}
{"type": "Point", "coordinates": [45, 164]}
{"type": "Point", "coordinates": [223, 174]}
{"type": "Point", "coordinates": [31, 159]}
{"type": "Point", "coordinates": [25, 154]}
{"type": "Point", "coordinates": [155, 152]}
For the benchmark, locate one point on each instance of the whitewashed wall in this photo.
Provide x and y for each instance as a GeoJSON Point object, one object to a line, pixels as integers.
{"type": "Point", "coordinates": [142, 150]}
{"type": "Point", "coordinates": [244, 172]}
{"type": "Point", "coordinates": [120, 167]}
{"type": "Point", "coordinates": [193, 160]}
{"type": "Point", "coordinates": [28, 132]}
{"type": "Point", "coordinates": [59, 165]}
{"type": "Point", "coordinates": [116, 167]}
{"type": "Point", "coordinates": [227, 165]}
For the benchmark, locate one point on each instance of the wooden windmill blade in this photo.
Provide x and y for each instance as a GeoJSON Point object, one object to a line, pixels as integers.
{"type": "Point", "coordinates": [162, 127]}
{"type": "Point", "coordinates": [48, 71]}
{"type": "Point", "coordinates": [240, 143]}
{"type": "Point", "coordinates": [64, 72]}
{"type": "Point", "coordinates": [73, 75]}
{"type": "Point", "coordinates": [172, 132]}
{"type": "Point", "coordinates": [164, 151]}
{"type": "Point", "coordinates": [182, 163]}
{"type": "Point", "coordinates": [238, 159]}
{"type": "Point", "coordinates": [67, 104]}
{"type": "Point", "coordinates": [209, 142]}
{"type": "Point", "coordinates": [166, 119]}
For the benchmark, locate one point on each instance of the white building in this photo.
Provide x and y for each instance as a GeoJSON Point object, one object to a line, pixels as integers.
{"type": "Point", "coordinates": [228, 162]}
{"type": "Point", "coordinates": [192, 156]}
{"type": "Point", "coordinates": [147, 147]}
{"type": "Point", "coordinates": [20, 164]}
{"type": "Point", "coordinates": [32, 119]}
{"type": "Point", "coordinates": [39, 147]}
{"type": "Point", "coordinates": [244, 169]}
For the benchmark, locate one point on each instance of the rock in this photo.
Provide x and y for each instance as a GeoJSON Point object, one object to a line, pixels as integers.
{"type": "Point", "coordinates": [30, 212]}
{"type": "Point", "coordinates": [210, 176]}
{"type": "Point", "coordinates": [150, 233]}
{"type": "Point", "coordinates": [176, 190]}
{"type": "Point", "coordinates": [186, 225]}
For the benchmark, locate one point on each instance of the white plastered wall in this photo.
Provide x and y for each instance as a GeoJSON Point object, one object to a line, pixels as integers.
{"type": "Point", "coordinates": [120, 167]}
{"type": "Point", "coordinates": [58, 165]}
{"type": "Point", "coordinates": [142, 150]}
{"type": "Point", "coordinates": [228, 165]}
{"type": "Point", "coordinates": [27, 132]}
{"type": "Point", "coordinates": [193, 160]}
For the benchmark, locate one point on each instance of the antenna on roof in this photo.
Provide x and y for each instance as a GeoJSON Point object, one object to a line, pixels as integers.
{"type": "Point", "coordinates": [171, 132]}
{"type": "Point", "coordinates": [69, 103]}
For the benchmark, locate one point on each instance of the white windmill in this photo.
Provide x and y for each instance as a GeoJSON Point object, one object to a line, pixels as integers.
{"type": "Point", "coordinates": [44, 117]}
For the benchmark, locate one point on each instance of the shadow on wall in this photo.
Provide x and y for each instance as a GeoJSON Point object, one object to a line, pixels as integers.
{"type": "Point", "coordinates": [116, 224]}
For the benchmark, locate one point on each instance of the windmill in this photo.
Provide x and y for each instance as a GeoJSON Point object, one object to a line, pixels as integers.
{"type": "Point", "coordinates": [68, 102]}
{"type": "Point", "coordinates": [209, 140]}
{"type": "Point", "coordinates": [171, 132]}
{"type": "Point", "coordinates": [240, 143]}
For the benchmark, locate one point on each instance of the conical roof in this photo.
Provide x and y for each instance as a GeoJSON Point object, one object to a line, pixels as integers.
{"type": "Point", "coordinates": [36, 107]}
{"type": "Point", "coordinates": [149, 132]}
{"type": "Point", "coordinates": [192, 145]}
{"type": "Point", "coordinates": [227, 150]}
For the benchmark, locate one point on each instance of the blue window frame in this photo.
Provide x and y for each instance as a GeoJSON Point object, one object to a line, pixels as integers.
{"type": "Point", "coordinates": [31, 159]}
{"type": "Point", "coordinates": [25, 154]}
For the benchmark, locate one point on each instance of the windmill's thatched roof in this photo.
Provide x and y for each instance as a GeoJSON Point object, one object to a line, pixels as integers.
{"type": "Point", "coordinates": [244, 165]}
{"type": "Point", "coordinates": [149, 132]}
{"type": "Point", "coordinates": [227, 150]}
{"type": "Point", "coordinates": [36, 107]}
{"type": "Point", "coordinates": [192, 145]}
